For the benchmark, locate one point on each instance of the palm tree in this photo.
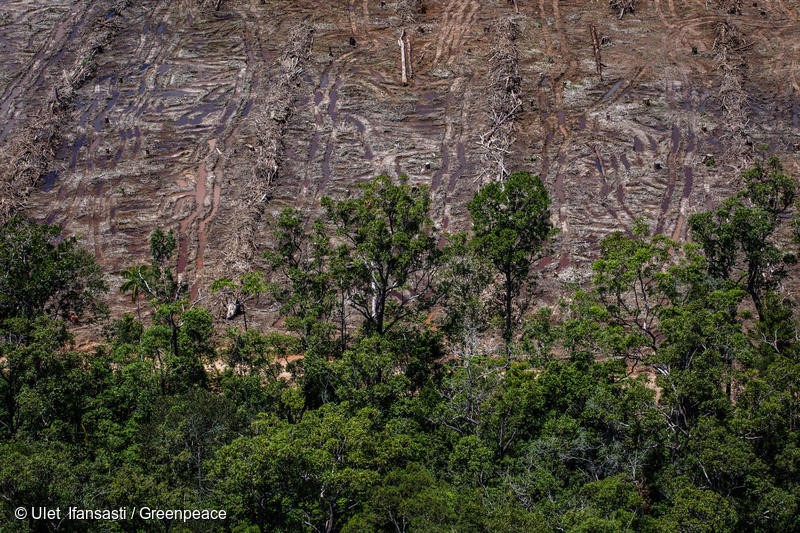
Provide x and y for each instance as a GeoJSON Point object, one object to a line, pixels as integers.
{"type": "Point", "coordinates": [135, 281]}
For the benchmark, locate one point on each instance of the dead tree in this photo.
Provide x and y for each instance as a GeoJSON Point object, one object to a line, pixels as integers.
{"type": "Point", "coordinates": [622, 7]}
{"type": "Point", "coordinates": [402, 43]}
{"type": "Point", "coordinates": [727, 47]}
{"type": "Point", "coordinates": [408, 10]}
{"type": "Point", "coordinates": [504, 98]}
{"type": "Point", "coordinates": [598, 64]}
{"type": "Point", "coordinates": [408, 51]}
{"type": "Point", "coordinates": [214, 4]}
{"type": "Point", "coordinates": [732, 7]}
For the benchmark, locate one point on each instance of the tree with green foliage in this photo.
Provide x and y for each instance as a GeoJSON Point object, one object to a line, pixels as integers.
{"type": "Point", "coordinates": [157, 280]}
{"type": "Point", "coordinates": [619, 317]}
{"type": "Point", "coordinates": [412, 499]}
{"type": "Point", "coordinates": [309, 475]}
{"type": "Point", "coordinates": [416, 425]}
{"type": "Point", "coordinates": [302, 281]}
{"type": "Point", "coordinates": [380, 370]}
{"type": "Point", "coordinates": [738, 238]}
{"type": "Point", "coordinates": [246, 289]}
{"type": "Point", "coordinates": [45, 280]}
{"type": "Point", "coordinates": [134, 282]}
{"type": "Point", "coordinates": [464, 281]}
{"type": "Point", "coordinates": [511, 225]}
{"type": "Point", "coordinates": [390, 251]}
{"type": "Point", "coordinates": [42, 272]}
{"type": "Point", "coordinates": [178, 341]}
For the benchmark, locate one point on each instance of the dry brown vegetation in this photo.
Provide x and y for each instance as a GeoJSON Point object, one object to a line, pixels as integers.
{"type": "Point", "coordinates": [622, 6]}
{"type": "Point", "coordinates": [269, 123]}
{"type": "Point", "coordinates": [28, 153]}
{"type": "Point", "coordinates": [23, 161]}
{"type": "Point", "coordinates": [504, 98]}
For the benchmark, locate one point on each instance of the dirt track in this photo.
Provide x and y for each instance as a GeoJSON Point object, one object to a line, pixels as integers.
{"type": "Point", "coordinates": [165, 131]}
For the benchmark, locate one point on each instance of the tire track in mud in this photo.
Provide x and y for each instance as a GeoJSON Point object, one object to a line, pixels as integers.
{"type": "Point", "coordinates": [673, 158]}
{"type": "Point", "coordinates": [606, 187]}
{"type": "Point", "coordinates": [681, 136]}
{"type": "Point", "coordinates": [459, 15]}
{"type": "Point", "coordinates": [455, 23]}
{"type": "Point", "coordinates": [550, 96]}
{"type": "Point", "coordinates": [27, 156]}
{"type": "Point", "coordinates": [329, 122]}
{"type": "Point", "coordinates": [211, 169]}
{"type": "Point", "coordinates": [452, 149]}
{"type": "Point", "coordinates": [148, 52]}
{"type": "Point", "coordinates": [202, 150]}
{"type": "Point", "coordinates": [137, 103]}
{"type": "Point", "coordinates": [619, 89]}
{"type": "Point", "coordinates": [357, 21]}
{"type": "Point", "coordinates": [325, 102]}
{"type": "Point", "coordinates": [15, 96]}
{"type": "Point", "coordinates": [613, 167]}
{"type": "Point", "coordinates": [621, 177]}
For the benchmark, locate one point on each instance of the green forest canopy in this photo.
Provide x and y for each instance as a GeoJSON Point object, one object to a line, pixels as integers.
{"type": "Point", "coordinates": [663, 396]}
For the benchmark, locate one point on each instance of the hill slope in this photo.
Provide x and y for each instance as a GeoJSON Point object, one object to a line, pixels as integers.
{"type": "Point", "coordinates": [210, 116]}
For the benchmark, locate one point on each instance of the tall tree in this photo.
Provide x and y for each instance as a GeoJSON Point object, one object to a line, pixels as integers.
{"type": "Point", "coordinates": [390, 249]}
{"type": "Point", "coordinates": [511, 224]}
{"type": "Point", "coordinates": [135, 282]}
{"type": "Point", "coordinates": [156, 280]}
{"type": "Point", "coordinates": [302, 281]}
{"type": "Point", "coordinates": [44, 279]}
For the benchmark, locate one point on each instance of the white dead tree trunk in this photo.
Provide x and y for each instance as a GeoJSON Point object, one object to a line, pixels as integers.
{"type": "Point", "coordinates": [402, 44]}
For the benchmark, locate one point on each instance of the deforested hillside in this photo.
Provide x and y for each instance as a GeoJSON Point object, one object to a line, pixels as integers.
{"type": "Point", "coordinates": [209, 117]}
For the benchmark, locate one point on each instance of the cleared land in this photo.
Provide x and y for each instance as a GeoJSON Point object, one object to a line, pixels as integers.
{"type": "Point", "coordinates": [209, 117]}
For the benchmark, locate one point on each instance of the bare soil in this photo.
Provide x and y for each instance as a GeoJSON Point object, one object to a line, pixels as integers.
{"type": "Point", "coordinates": [209, 121]}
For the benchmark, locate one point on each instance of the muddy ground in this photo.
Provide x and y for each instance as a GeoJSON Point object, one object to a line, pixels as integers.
{"type": "Point", "coordinates": [208, 117]}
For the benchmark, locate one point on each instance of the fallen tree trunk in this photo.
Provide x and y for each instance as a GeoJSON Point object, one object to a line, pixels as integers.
{"type": "Point", "coordinates": [408, 51]}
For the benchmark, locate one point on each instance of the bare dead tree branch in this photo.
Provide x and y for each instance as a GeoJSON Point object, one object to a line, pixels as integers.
{"type": "Point", "coordinates": [504, 99]}
{"type": "Point", "coordinates": [269, 123]}
{"type": "Point", "coordinates": [622, 7]}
